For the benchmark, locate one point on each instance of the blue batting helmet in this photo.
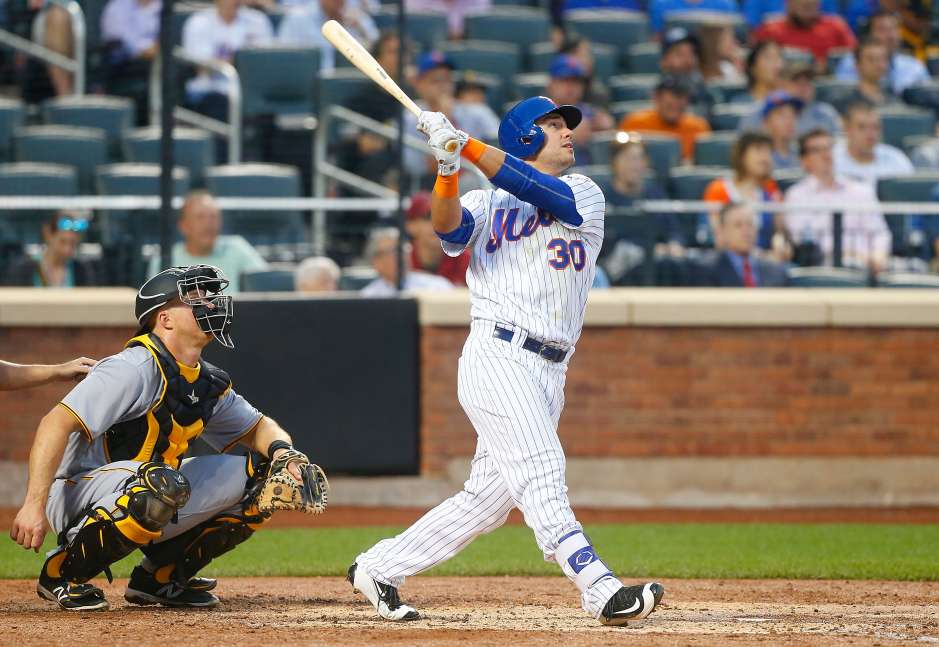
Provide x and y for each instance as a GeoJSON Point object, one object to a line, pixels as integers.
{"type": "Point", "coordinates": [518, 133]}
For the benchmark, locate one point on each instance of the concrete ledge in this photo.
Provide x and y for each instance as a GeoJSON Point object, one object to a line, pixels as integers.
{"type": "Point", "coordinates": [67, 307]}
{"type": "Point", "coordinates": [684, 307]}
{"type": "Point", "coordinates": [891, 308]}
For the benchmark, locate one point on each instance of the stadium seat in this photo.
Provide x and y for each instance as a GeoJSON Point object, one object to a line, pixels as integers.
{"type": "Point", "coordinates": [113, 115]}
{"type": "Point", "coordinates": [277, 80]}
{"type": "Point", "coordinates": [727, 91]}
{"type": "Point", "coordinates": [605, 59]}
{"type": "Point", "coordinates": [796, 55]}
{"type": "Point", "coordinates": [602, 174]}
{"type": "Point", "coordinates": [143, 226]}
{"type": "Point", "coordinates": [907, 280]}
{"type": "Point", "coordinates": [618, 28]}
{"type": "Point", "coordinates": [689, 182]}
{"type": "Point", "coordinates": [664, 153]}
{"type": "Point", "coordinates": [785, 178]}
{"type": "Point", "coordinates": [900, 121]}
{"type": "Point", "coordinates": [912, 142]}
{"type": "Point", "coordinates": [933, 64]}
{"type": "Point", "coordinates": [529, 85]}
{"type": "Point", "coordinates": [908, 188]}
{"type": "Point", "coordinates": [268, 281]}
{"type": "Point", "coordinates": [12, 113]}
{"type": "Point", "coordinates": [643, 58]}
{"type": "Point", "coordinates": [693, 21]}
{"type": "Point", "coordinates": [83, 148]}
{"type": "Point", "coordinates": [632, 87]}
{"type": "Point", "coordinates": [714, 149]}
{"type": "Point", "coordinates": [193, 149]}
{"type": "Point", "coordinates": [490, 57]}
{"type": "Point", "coordinates": [522, 26]}
{"type": "Point", "coordinates": [623, 108]}
{"type": "Point", "coordinates": [259, 181]}
{"type": "Point", "coordinates": [336, 88]}
{"type": "Point", "coordinates": [428, 29]}
{"type": "Point", "coordinates": [181, 13]}
{"type": "Point", "coordinates": [828, 277]}
{"type": "Point", "coordinates": [727, 116]}
{"type": "Point", "coordinates": [356, 277]}
{"type": "Point", "coordinates": [496, 92]}
{"type": "Point", "coordinates": [832, 90]}
{"type": "Point", "coordinates": [29, 178]}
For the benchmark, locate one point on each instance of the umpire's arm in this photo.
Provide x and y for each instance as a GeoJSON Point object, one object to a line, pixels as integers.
{"type": "Point", "coordinates": [29, 526]}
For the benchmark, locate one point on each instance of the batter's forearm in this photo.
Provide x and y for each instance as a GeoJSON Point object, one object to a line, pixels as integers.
{"type": "Point", "coordinates": [487, 159]}
{"type": "Point", "coordinates": [446, 214]}
{"type": "Point", "coordinates": [46, 453]}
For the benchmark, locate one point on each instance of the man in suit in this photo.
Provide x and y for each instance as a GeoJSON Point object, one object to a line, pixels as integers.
{"type": "Point", "coordinates": [736, 265]}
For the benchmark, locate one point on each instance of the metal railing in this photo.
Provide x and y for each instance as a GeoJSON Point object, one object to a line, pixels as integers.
{"type": "Point", "coordinates": [35, 50]}
{"type": "Point", "coordinates": [230, 129]}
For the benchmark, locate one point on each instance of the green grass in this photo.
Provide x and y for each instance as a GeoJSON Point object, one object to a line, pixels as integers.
{"type": "Point", "coordinates": [825, 551]}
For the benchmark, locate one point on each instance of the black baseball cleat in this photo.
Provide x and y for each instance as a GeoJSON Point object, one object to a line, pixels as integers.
{"type": "Point", "coordinates": [382, 596]}
{"type": "Point", "coordinates": [71, 597]}
{"type": "Point", "coordinates": [143, 589]}
{"type": "Point", "coordinates": [632, 603]}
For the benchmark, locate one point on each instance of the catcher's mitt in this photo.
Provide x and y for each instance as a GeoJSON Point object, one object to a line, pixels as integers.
{"type": "Point", "coordinates": [281, 491]}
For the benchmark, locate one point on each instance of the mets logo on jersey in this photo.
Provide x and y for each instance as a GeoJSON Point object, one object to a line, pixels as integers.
{"type": "Point", "coordinates": [503, 227]}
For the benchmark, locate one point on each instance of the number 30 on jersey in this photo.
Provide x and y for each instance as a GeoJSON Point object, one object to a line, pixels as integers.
{"type": "Point", "coordinates": [567, 253]}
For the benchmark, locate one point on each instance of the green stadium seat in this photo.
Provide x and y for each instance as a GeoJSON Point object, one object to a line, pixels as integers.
{"type": "Point", "coordinates": [689, 182]}
{"type": "Point", "coordinates": [141, 226]}
{"type": "Point", "coordinates": [632, 87]}
{"type": "Point", "coordinates": [602, 174]}
{"type": "Point", "coordinates": [355, 278]}
{"type": "Point", "coordinates": [693, 21]}
{"type": "Point", "coordinates": [828, 277]}
{"type": "Point", "coordinates": [832, 90]}
{"type": "Point", "coordinates": [181, 13]}
{"type": "Point", "coordinates": [900, 122]}
{"type": "Point", "coordinates": [714, 149]}
{"type": "Point", "coordinates": [618, 28]}
{"type": "Point", "coordinates": [428, 29]}
{"type": "Point", "coordinates": [113, 115]}
{"type": "Point", "coordinates": [259, 181]}
{"type": "Point", "coordinates": [796, 55]}
{"type": "Point", "coordinates": [30, 178]}
{"type": "Point", "coordinates": [277, 80]}
{"type": "Point", "coordinates": [268, 281]}
{"type": "Point", "coordinates": [664, 153]}
{"type": "Point", "coordinates": [907, 280]}
{"type": "Point", "coordinates": [193, 149]}
{"type": "Point", "coordinates": [336, 88]}
{"type": "Point", "coordinates": [529, 85]}
{"type": "Point", "coordinates": [522, 26]}
{"type": "Point", "coordinates": [727, 116]}
{"type": "Point", "coordinates": [907, 188]}
{"type": "Point", "coordinates": [489, 57]}
{"type": "Point", "coordinates": [12, 113]}
{"type": "Point", "coordinates": [623, 108]}
{"type": "Point", "coordinates": [605, 59]}
{"type": "Point", "coordinates": [727, 91]}
{"type": "Point", "coordinates": [83, 148]}
{"type": "Point", "coordinates": [643, 58]}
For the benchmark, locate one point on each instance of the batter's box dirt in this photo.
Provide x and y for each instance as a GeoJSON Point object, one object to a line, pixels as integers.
{"type": "Point", "coordinates": [500, 611]}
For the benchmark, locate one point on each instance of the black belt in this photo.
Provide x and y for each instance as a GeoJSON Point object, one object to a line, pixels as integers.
{"type": "Point", "coordinates": [546, 351]}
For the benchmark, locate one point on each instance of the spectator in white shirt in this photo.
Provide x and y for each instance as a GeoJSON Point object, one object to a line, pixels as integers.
{"type": "Point", "coordinates": [455, 10]}
{"type": "Point", "coordinates": [861, 155]}
{"type": "Point", "coordinates": [866, 240]}
{"type": "Point", "coordinates": [302, 26]}
{"type": "Point", "coordinates": [381, 252]}
{"type": "Point", "coordinates": [215, 34]}
{"type": "Point", "coordinates": [130, 30]}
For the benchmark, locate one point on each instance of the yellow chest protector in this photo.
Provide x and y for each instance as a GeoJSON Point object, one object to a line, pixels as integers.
{"type": "Point", "coordinates": [185, 405]}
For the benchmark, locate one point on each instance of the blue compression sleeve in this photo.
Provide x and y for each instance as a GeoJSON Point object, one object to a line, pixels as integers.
{"type": "Point", "coordinates": [462, 234]}
{"type": "Point", "coordinates": [545, 191]}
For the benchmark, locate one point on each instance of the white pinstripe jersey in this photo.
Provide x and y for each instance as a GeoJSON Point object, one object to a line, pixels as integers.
{"type": "Point", "coordinates": [528, 269]}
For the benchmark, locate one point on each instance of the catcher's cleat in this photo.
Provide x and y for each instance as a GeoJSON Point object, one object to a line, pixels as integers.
{"type": "Point", "coordinates": [382, 596]}
{"type": "Point", "coordinates": [143, 589]}
{"type": "Point", "coordinates": [201, 583]}
{"type": "Point", "coordinates": [631, 603]}
{"type": "Point", "coordinates": [71, 597]}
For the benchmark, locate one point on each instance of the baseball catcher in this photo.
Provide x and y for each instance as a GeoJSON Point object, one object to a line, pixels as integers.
{"type": "Point", "coordinates": [108, 466]}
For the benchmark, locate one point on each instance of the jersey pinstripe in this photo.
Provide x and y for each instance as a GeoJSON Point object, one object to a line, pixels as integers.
{"type": "Point", "coordinates": [528, 269]}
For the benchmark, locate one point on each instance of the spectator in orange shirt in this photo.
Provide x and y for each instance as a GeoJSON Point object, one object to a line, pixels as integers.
{"type": "Point", "coordinates": [804, 27]}
{"type": "Point", "coordinates": [669, 115]}
{"type": "Point", "coordinates": [751, 159]}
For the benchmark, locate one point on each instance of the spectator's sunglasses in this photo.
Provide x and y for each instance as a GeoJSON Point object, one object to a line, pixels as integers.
{"type": "Point", "coordinates": [77, 225]}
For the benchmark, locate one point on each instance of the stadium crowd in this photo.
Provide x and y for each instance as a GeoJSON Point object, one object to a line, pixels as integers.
{"type": "Point", "coordinates": [831, 102]}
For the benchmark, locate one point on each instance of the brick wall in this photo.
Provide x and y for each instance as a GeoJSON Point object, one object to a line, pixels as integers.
{"type": "Point", "coordinates": [635, 391]}
{"type": "Point", "coordinates": [20, 411]}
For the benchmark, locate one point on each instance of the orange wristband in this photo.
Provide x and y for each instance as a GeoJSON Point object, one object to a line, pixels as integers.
{"type": "Point", "coordinates": [473, 150]}
{"type": "Point", "coordinates": [447, 186]}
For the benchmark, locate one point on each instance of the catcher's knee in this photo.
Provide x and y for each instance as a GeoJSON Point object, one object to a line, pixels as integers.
{"type": "Point", "coordinates": [183, 556]}
{"type": "Point", "coordinates": [148, 503]}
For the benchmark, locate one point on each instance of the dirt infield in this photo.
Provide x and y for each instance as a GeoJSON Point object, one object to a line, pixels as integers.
{"type": "Point", "coordinates": [494, 611]}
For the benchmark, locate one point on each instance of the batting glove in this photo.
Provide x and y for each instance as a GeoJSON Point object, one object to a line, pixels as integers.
{"type": "Point", "coordinates": [428, 122]}
{"type": "Point", "coordinates": [448, 162]}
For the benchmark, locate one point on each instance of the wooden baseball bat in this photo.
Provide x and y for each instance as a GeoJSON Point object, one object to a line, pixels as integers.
{"type": "Point", "coordinates": [352, 49]}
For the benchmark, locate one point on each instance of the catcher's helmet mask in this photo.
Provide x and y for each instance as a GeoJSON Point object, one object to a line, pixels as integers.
{"type": "Point", "coordinates": [198, 286]}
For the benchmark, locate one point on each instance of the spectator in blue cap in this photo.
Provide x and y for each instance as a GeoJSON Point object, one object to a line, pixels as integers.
{"type": "Point", "coordinates": [681, 57]}
{"type": "Point", "coordinates": [568, 86]}
{"type": "Point", "coordinates": [799, 81]}
{"type": "Point", "coordinates": [781, 113]}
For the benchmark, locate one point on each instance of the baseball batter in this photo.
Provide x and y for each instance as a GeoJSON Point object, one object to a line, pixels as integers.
{"type": "Point", "coordinates": [535, 241]}
{"type": "Point", "coordinates": [108, 469]}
